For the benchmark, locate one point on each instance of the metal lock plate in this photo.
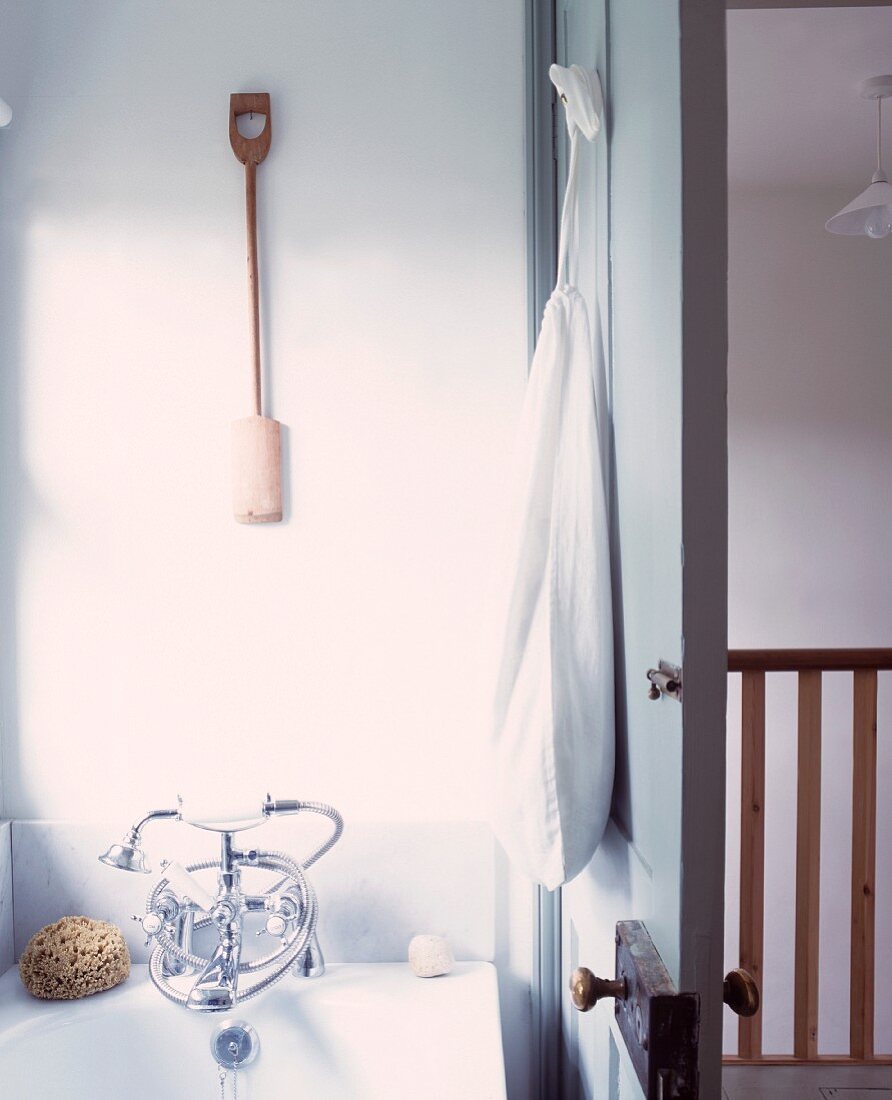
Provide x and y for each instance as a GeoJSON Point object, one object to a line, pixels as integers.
{"type": "Point", "coordinates": [660, 1026]}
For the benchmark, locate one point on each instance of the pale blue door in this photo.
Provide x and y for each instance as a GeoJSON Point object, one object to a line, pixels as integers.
{"type": "Point", "coordinates": [653, 264]}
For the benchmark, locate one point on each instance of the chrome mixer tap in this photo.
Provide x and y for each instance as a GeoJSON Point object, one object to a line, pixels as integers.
{"type": "Point", "coordinates": [179, 904]}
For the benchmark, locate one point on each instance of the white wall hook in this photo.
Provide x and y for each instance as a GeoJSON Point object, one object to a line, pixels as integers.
{"type": "Point", "coordinates": [5, 113]}
{"type": "Point", "coordinates": [580, 92]}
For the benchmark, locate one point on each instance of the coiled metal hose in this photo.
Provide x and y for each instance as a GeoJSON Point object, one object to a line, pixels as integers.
{"type": "Point", "coordinates": [296, 940]}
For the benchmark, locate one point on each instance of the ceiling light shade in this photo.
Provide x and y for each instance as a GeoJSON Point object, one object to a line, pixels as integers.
{"type": "Point", "coordinates": [870, 214]}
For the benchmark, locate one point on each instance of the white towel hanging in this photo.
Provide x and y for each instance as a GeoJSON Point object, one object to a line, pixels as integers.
{"type": "Point", "coordinates": [554, 711]}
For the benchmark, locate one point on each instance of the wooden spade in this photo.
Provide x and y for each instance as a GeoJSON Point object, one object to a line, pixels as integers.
{"type": "Point", "coordinates": [256, 450]}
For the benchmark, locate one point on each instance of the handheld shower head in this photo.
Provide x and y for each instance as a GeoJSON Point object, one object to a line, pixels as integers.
{"type": "Point", "coordinates": [127, 856]}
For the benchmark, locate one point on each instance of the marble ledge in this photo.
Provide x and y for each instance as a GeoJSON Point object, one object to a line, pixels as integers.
{"type": "Point", "coordinates": [381, 885]}
{"type": "Point", "coordinates": [7, 938]}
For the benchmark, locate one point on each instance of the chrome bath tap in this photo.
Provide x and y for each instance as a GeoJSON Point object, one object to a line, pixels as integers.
{"type": "Point", "coordinates": [178, 904]}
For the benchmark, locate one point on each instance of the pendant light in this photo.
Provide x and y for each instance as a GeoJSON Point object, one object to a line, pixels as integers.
{"type": "Point", "coordinates": [870, 215]}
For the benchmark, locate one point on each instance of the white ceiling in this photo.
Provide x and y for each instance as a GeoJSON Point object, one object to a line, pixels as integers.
{"type": "Point", "coordinates": [795, 114]}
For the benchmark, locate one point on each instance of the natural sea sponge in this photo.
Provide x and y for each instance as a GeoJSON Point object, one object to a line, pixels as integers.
{"type": "Point", "coordinates": [73, 958]}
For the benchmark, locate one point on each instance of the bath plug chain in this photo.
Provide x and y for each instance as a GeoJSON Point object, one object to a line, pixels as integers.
{"type": "Point", "coordinates": [234, 1044]}
{"type": "Point", "coordinates": [224, 1073]}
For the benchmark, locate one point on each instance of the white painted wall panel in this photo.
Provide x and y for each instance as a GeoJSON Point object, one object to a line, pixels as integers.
{"type": "Point", "coordinates": [148, 644]}
{"type": "Point", "coordinates": [333, 655]}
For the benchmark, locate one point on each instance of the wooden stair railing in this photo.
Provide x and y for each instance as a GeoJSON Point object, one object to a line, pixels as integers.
{"type": "Point", "coordinates": [810, 664]}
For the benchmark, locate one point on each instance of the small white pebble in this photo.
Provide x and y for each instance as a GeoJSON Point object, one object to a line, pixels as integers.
{"type": "Point", "coordinates": [430, 956]}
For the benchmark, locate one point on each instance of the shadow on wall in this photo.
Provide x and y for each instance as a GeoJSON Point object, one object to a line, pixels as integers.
{"type": "Point", "coordinates": [14, 491]}
{"type": "Point", "coordinates": [21, 508]}
{"type": "Point", "coordinates": [18, 503]}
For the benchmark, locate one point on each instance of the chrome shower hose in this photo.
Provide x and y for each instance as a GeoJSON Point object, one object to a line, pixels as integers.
{"type": "Point", "coordinates": [296, 939]}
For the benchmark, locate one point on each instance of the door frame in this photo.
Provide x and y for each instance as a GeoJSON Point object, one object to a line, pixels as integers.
{"type": "Point", "coordinates": [542, 236]}
{"type": "Point", "coordinates": [704, 432]}
{"type": "Point", "coordinates": [705, 529]}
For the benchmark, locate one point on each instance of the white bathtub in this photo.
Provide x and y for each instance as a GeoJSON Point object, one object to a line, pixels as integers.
{"type": "Point", "coordinates": [361, 1032]}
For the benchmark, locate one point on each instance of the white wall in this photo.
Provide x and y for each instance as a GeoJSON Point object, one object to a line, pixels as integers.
{"type": "Point", "coordinates": [332, 656]}
{"type": "Point", "coordinates": [810, 450]}
{"type": "Point", "coordinates": [148, 643]}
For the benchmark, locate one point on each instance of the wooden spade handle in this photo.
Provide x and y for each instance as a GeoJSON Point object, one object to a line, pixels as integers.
{"type": "Point", "coordinates": [249, 149]}
{"type": "Point", "coordinates": [251, 152]}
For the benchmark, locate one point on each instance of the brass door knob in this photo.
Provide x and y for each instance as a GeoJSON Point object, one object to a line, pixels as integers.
{"type": "Point", "coordinates": [740, 993]}
{"type": "Point", "coordinates": [586, 989]}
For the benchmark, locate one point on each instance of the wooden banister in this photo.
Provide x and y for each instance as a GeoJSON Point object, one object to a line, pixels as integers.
{"type": "Point", "coordinates": [808, 867]}
{"type": "Point", "coordinates": [752, 851]}
{"type": "Point", "coordinates": [864, 840]}
{"type": "Point", "coordinates": [810, 664]}
{"type": "Point", "coordinates": [802, 660]}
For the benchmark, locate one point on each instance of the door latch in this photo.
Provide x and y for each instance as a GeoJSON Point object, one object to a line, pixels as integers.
{"type": "Point", "coordinates": [740, 993]}
{"type": "Point", "coordinates": [665, 680]}
{"type": "Point", "coordinates": [660, 1026]}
